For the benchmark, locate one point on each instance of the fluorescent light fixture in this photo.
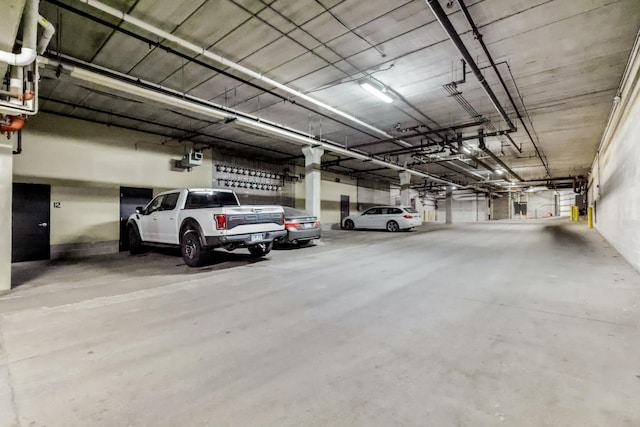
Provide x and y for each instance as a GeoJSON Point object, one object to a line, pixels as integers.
{"type": "Point", "coordinates": [376, 90]}
{"type": "Point", "coordinates": [466, 150]}
{"type": "Point", "coordinates": [454, 187]}
{"type": "Point", "coordinates": [499, 171]}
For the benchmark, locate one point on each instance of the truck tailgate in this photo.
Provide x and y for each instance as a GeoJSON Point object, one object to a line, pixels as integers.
{"type": "Point", "coordinates": [249, 219]}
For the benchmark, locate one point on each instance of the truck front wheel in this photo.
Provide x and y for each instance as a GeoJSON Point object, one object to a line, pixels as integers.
{"type": "Point", "coordinates": [135, 242]}
{"type": "Point", "coordinates": [260, 249]}
{"type": "Point", "coordinates": [192, 251]}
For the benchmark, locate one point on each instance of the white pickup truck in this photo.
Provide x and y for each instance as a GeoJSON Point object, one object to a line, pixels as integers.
{"type": "Point", "coordinates": [202, 219]}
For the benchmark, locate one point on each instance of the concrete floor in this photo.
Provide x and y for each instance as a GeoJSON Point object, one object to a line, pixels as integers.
{"type": "Point", "coordinates": [509, 323]}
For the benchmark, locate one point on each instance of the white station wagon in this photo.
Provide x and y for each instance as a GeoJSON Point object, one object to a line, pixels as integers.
{"type": "Point", "coordinates": [390, 218]}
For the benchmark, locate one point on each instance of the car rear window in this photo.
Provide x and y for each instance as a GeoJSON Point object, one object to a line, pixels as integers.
{"type": "Point", "coordinates": [410, 210]}
{"type": "Point", "coordinates": [294, 212]}
{"type": "Point", "coordinates": [210, 199]}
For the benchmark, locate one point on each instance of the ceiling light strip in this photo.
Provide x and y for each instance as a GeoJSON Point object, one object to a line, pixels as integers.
{"type": "Point", "coordinates": [373, 90]}
{"type": "Point", "coordinates": [224, 61]}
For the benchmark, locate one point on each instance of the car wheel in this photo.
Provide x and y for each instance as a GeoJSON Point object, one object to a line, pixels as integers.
{"type": "Point", "coordinates": [135, 242]}
{"type": "Point", "coordinates": [392, 226]}
{"type": "Point", "coordinates": [192, 252]}
{"type": "Point", "coordinates": [349, 225]}
{"type": "Point", "coordinates": [260, 249]}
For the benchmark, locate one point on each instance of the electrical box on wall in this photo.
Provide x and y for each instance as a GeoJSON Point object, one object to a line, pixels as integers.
{"type": "Point", "coordinates": [191, 159]}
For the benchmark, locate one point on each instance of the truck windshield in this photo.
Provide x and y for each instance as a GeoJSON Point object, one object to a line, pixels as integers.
{"type": "Point", "coordinates": [210, 199]}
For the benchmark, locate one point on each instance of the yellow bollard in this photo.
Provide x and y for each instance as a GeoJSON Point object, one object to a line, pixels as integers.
{"type": "Point", "coordinates": [590, 217]}
{"type": "Point", "coordinates": [572, 213]}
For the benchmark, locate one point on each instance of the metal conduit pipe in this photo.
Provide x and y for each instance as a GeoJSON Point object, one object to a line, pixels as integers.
{"type": "Point", "coordinates": [495, 158]}
{"type": "Point", "coordinates": [29, 38]}
{"type": "Point", "coordinates": [561, 178]}
{"type": "Point", "coordinates": [18, 149]}
{"type": "Point", "coordinates": [228, 63]}
{"type": "Point", "coordinates": [134, 87]}
{"type": "Point", "coordinates": [423, 133]}
{"type": "Point", "coordinates": [459, 169]}
{"type": "Point", "coordinates": [417, 148]}
{"type": "Point", "coordinates": [446, 24]}
{"type": "Point", "coordinates": [478, 37]}
{"type": "Point", "coordinates": [452, 89]}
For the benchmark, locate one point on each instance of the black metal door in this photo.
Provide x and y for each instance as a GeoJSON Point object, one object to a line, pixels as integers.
{"type": "Point", "coordinates": [344, 207]}
{"type": "Point", "coordinates": [30, 222]}
{"type": "Point", "coordinates": [130, 198]}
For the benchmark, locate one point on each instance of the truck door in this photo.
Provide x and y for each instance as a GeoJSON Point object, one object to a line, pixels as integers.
{"type": "Point", "coordinates": [166, 219]}
{"type": "Point", "coordinates": [149, 220]}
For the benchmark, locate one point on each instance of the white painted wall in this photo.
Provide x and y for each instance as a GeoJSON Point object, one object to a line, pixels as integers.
{"type": "Point", "coordinates": [615, 178]}
{"type": "Point", "coordinates": [86, 163]}
{"type": "Point", "coordinates": [57, 148]}
{"type": "Point", "coordinates": [539, 204]}
{"type": "Point", "coordinates": [465, 207]}
{"type": "Point", "coordinates": [86, 214]}
{"type": "Point", "coordinates": [431, 211]}
{"type": "Point", "coordinates": [468, 208]}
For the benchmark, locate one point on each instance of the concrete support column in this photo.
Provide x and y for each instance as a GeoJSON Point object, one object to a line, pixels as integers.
{"type": "Point", "coordinates": [448, 205]}
{"type": "Point", "coordinates": [312, 176]}
{"type": "Point", "coordinates": [6, 192]}
{"type": "Point", "coordinates": [405, 187]}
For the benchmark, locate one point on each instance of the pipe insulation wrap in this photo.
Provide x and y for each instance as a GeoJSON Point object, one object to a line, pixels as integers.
{"type": "Point", "coordinates": [25, 57]}
{"type": "Point", "coordinates": [226, 62]}
{"type": "Point", "coordinates": [47, 35]}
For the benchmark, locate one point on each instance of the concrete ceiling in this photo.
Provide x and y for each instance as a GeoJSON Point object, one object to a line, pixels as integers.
{"type": "Point", "coordinates": [9, 21]}
{"type": "Point", "coordinates": [561, 60]}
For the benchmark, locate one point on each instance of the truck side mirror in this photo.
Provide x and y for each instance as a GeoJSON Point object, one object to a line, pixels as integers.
{"type": "Point", "coordinates": [140, 210]}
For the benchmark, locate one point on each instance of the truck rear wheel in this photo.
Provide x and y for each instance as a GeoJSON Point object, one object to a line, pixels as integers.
{"type": "Point", "coordinates": [260, 249]}
{"type": "Point", "coordinates": [192, 252]}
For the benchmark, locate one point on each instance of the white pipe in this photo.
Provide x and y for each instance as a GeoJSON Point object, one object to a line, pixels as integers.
{"type": "Point", "coordinates": [219, 112]}
{"type": "Point", "coordinates": [47, 35]}
{"type": "Point", "coordinates": [16, 83]}
{"type": "Point", "coordinates": [29, 38]}
{"type": "Point", "coordinates": [30, 108]}
{"type": "Point", "coordinates": [226, 62]}
{"type": "Point", "coordinates": [25, 57]}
